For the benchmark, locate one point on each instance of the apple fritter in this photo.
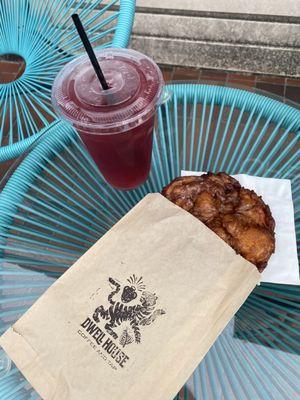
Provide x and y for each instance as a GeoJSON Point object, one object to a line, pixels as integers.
{"type": "Point", "coordinates": [237, 215]}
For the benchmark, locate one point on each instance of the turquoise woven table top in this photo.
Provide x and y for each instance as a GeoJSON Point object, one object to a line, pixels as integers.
{"type": "Point", "coordinates": [55, 204]}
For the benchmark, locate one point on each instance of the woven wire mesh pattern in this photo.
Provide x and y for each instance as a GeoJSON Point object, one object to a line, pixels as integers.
{"type": "Point", "coordinates": [55, 205]}
{"type": "Point", "coordinates": [43, 33]}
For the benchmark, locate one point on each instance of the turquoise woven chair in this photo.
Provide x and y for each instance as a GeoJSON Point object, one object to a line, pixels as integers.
{"type": "Point", "coordinates": [42, 32]}
{"type": "Point", "coordinates": [55, 204]}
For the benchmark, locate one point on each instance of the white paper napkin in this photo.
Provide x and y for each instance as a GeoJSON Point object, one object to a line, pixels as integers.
{"type": "Point", "coordinates": [283, 266]}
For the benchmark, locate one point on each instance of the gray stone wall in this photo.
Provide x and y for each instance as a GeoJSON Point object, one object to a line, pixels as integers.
{"type": "Point", "coordinates": [258, 43]}
{"type": "Point", "coordinates": [256, 7]}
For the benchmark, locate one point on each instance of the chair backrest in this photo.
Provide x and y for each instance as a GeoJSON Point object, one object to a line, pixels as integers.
{"type": "Point", "coordinates": [201, 128]}
{"type": "Point", "coordinates": [215, 128]}
{"type": "Point", "coordinates": [43, 34]}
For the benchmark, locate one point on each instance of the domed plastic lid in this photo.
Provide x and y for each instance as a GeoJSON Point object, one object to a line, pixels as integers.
{"type": "Point", "coordinates": [135, 88]}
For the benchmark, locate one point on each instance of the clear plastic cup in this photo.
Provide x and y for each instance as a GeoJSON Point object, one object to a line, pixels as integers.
{"type": "Point", "coordinates": [116, 125]}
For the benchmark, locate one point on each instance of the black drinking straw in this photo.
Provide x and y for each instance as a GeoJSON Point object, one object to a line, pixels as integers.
{"type": "Point", "coordinates": [90, 51]}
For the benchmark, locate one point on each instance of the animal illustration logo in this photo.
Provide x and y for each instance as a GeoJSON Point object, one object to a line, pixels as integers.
{"type": "Point", "coordinates": [130, 307]}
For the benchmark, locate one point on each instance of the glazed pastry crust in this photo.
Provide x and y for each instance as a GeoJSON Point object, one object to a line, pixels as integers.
{"type": "Point", "coordinates": [237, 215]}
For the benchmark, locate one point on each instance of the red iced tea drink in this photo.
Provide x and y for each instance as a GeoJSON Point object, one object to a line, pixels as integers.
{"type": "Point", "coordinates": [116, 125]}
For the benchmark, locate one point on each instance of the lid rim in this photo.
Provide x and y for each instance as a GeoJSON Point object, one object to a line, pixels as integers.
{"type": "Point", "coordinates": [122, 124]}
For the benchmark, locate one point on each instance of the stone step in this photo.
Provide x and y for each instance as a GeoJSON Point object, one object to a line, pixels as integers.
{"type": "Point", "coordinates": [188, 33]}
{"type": "Point", "coordinates": [222, 41]}
{"type": "Point", "coordinates": [287, 8]}
{"type": "Point", "coordinates": [217, 29]}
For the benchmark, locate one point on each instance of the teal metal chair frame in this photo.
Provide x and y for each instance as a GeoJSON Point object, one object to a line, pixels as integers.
{"type": "Point", "coordinates": [42, 33]}
{"type": "Point", "coordinates": [56, 204]}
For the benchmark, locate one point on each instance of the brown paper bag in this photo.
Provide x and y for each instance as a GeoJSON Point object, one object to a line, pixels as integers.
{"type": "Point", "coordinates": [134, 315]}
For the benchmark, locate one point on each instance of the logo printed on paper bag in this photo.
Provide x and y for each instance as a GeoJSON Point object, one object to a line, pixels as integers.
{"type": "Point", "coordinates": [130, 308]}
